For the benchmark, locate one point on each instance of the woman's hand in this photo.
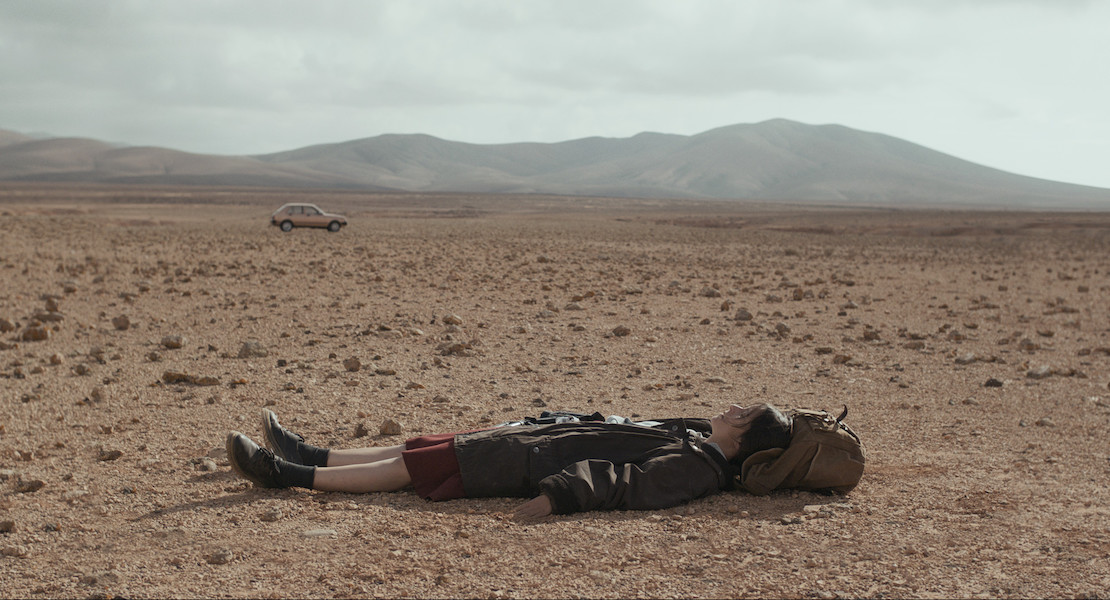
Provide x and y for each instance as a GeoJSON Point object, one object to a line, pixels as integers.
{"type": "Point", "coordinates": [536, 508]}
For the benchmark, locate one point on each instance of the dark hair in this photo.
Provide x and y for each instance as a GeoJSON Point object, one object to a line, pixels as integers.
{"type": "Point", "coordinates": [770, 428]}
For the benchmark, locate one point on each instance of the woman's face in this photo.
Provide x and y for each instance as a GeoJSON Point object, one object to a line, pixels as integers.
{"type": "Point", "coordinates": [734, 421]}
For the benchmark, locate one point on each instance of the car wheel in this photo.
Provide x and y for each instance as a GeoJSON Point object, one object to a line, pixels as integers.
{"type": "Point", "coordinates": [286, 225]}
{"type": "Point", "coordinates": [333, 226]}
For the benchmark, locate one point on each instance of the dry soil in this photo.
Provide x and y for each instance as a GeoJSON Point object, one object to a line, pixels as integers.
{"type": "Point", "coordinates": [140, 325]}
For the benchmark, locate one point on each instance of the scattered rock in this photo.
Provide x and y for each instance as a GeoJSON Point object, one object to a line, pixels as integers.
{"type": "Point", "coordinates": [390, 427]}
{"type": "Point", "coordinates": [319, 533]}
{"type": "Point", "coordinates": [174, 377]}
{"type": "Point", "coordinates": [29, 486]}
{"type": "Point", "coordinates": [173, 342]}
{"type": "Point", "coordinates": [253, 349]}
{"type": "Point", "coordinates": [271, 515]}
{"type": "Point", "coordinates": [35, 334]}
{"type": "Point", "coordinates": [16, 551]}
{"type": "Point", "coordinates": [121, 323]}
{"type": "Point", "coordinates": [6, 326]}
{"type": "Point", "coordinates": [966, 359]}
{"type": "Point", "coordinates": [621, 331]}
{"type": "Point", "coordinates": [352, 364]}
{"type": "Point", "coordinates": [1040, 372]}
{"type": "Point", "coordinates": [221, 556]}
{"type": "Point", "coordinates": [992, 383]}
{"type": "Point", "coordinates": [107, 455]}
{"type": "Point", "coordinates": [453, 319]}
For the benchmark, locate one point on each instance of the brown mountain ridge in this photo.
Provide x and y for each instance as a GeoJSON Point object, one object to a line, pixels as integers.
{"type": "Point", "coordinates": [776, 160]}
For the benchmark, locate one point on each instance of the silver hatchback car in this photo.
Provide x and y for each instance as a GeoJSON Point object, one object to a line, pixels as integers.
{"type": "Point", "coordinates": [299, 214]}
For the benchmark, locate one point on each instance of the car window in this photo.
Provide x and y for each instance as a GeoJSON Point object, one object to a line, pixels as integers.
{"type": "Point", "coordinates": [308, 210]}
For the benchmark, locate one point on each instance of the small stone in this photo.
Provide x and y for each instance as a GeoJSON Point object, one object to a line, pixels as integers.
{"type": "Point", "coordinates": [172, 377]}
{"type": "Point", "coordinates": [173, 342]}
{"type": "Point", "coordinates": [121, 323]}
{"type": "Point", "coordinates": [1045, 422]}
{"type": "Point", "coordinates": [743, 315]}
{"type": "Point", "coordinates": [318, 533]}
{"type": "Point", "coordinates": [1040, 372]}
{"type": "Point", "coordinates": [6, 326]}
{"type": "Point", "coordinates": [56, 359]}
{"type": "Point", "coordinates": [7, 526]}
{"type": "Point", "coordinates": [107, 455]}
{"type": "Point", "coordinates": [253, 349]}
{"type": "Point", "coordinates": [453, 319]}
{"type": "Point", "coordinates": [16, 551]}
{"type": "Point", "coordinates": [352, 364]}
{"type": "Point", "coordinates": [29, 486]}
{"type": "Point", "coordinates": [993, 383]}
{"type": "Point", "coordinates": [621, 331]}
{"type": "Point", "coordinates": [221, 556]}
{"type": "Point", "coordinates": [966, 359]}
{"type": "Point", "coordinates": [207, 464]}
{"type": "Point", "coordinates": [271, 515]}
{"type": "Point", "coordinates": [35, 334]}
{"type": "Point", "coordinates": [710, 292]}
{"type": "Point", "coordinates": [361, 430]}
{"type": "Point", "coordinates": [390, 427]}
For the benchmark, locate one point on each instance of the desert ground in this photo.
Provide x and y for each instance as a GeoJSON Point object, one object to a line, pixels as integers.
{"type": "Point", "coordinates": [139, 325]}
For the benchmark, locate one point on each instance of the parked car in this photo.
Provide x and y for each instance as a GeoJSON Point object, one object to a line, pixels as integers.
{"type": "Point", "coordinates": [300, 214]}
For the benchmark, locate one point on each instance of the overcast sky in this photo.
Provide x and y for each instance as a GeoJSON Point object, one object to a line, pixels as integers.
{"type": "Point", "coordinates": [1018, 85]}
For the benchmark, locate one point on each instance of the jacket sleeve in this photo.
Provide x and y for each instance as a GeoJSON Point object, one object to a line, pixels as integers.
{"type": "Point", "coordinates": [659, 482]}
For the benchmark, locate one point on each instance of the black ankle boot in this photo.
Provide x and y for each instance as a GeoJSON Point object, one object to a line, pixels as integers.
{"type": "Point", "coordinates": [289, 445]}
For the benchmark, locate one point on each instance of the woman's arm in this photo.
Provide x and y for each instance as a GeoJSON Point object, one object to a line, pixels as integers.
{"type": "Point", "coordinates": [660, 482]}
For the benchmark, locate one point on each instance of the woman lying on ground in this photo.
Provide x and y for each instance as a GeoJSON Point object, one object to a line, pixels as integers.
{"type": "Point", "coordinates": [564, 467]}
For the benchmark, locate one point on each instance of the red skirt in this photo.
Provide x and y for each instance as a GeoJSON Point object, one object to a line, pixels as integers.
{"type": "Point", "coordinates": [433, 467]}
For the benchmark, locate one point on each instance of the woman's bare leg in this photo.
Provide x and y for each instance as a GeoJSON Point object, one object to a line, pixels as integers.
{"type": "Point", "coordinates": [384, 475]}
{"type": "Point", "coordinates": [362, 456]}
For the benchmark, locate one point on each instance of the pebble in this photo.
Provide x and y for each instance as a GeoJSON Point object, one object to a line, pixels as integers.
{"type": "Point", "coordinates": [6, 326]}
{"type": "Point", "coordinates": [993, 383]}
{"type": "Point", "coordinates": [16, 551]}
{"type": "Point", "coordinates": [35, 334]}
{"type": "Point", "coordinates": [173, 342]}
{"type": "Point", "coordinates": [121, 323]}
{"type": "Point", "coordinates": [743, 315]}
{"type": "Point", "coordinates": [1040, 372]}
{"type": "Point", "coordinates": [253, 349]}
{"type": "Point", "coordinates": [966, 359]}
{"type": "Point", "coordinates": [29, 486]}
{"type": "Point", "coordinates": [271, 515]}
{"type": "Point", "coordinates": [7, 526]}
{"type": "Point", "coordinates": [621, 331]}
{"type": "Point", "coordinates": [352, 364]}
{"type": "Point", "coordinates": [107, 455]}
{"type": "Point", "coordinates": [453, 319]}
{"type": "Point", "coordinates": [317, 533]}
{"type": "Point", "coordinates": [390, 427]}
{"type": "Point", "coordinates": [221, 556]}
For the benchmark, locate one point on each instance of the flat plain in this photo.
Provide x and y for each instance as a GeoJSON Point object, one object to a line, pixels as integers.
{"type": "Point", "coordinates": [139, 325]}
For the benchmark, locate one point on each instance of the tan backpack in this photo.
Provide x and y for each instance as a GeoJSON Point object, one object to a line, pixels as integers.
{"type": "Point", "coordinates": [824, 455]}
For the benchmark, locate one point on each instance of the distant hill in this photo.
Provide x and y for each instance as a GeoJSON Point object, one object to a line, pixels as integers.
{"type": "Point", "coordinates": [773, 160]}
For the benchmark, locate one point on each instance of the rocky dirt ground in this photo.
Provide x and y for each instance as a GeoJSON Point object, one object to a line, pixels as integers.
{"type": "Point", "coordinates": [138, 326]}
